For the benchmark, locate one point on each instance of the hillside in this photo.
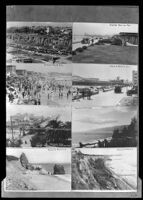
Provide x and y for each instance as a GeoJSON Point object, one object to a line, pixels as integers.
{"type": "Point", "coordinates": [21, 175]}
{"type": "Point", "coordinates": [103, 130]}
{"type": "Point", "coordinates": [91, 173]}
{"type": "Point", "coordinates": [15, 179]}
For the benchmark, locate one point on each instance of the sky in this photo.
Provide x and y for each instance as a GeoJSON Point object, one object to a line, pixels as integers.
{"type": "Point", "coordinates": [40, 67]}
{"type": "Point", "coordinates": [63, 113]}
{"type": "Point", "coordinates": [103, 28]}
{"type": "Point", "coordinates": [104, 72]}
{"type": "Point", "coordinates": [20, 24]}
{"type": "Point", "coordinates": [91, 119]}
{"type": "Point", "coordinates": [39, 155]}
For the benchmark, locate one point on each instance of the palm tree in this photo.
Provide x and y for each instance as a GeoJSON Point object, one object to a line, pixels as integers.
{"type": "Point", "coordinates": [55, 123]}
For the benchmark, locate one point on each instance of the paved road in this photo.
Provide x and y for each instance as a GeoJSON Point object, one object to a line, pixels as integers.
{"type": "Point", "coordinates": [102, 99]}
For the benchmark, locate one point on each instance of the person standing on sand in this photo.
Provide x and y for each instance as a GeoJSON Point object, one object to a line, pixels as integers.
{"type": "Point", "coordinates": [11, 97]}
{"type": "Point", "coordinates": [105, 143]}
{"type": "Point", "coordinates": [83, 94]}
{"type": "Point", "coordinates": [39, 102]}
{"type": "Point", "coordinates": [99, 143]}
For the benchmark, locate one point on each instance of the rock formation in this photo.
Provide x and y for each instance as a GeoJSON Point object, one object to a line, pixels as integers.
{"type": "Point", "coordinates": [25, 163]}
{"type": "Point", "coordinates": [90, 172]}
{"type": "Point", "coordinates": [59, 169]}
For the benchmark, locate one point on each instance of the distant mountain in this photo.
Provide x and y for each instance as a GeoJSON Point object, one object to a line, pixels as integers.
{"type": "Point", "coordinates": [77, 78]}
{"type": "Point", "coordinates": [106, 129]}
{"type": "Point", "coordinates": [25, 116]}
{"type": "Point", "coordinates": [58, 74]}
{"type": "Point", "coordinates": [10, 158]}
{"type": "Point", "coordinates": [98, 35]}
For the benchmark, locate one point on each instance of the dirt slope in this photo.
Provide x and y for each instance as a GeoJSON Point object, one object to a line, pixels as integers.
{"type": "Point", "coordinates": [91, 173]}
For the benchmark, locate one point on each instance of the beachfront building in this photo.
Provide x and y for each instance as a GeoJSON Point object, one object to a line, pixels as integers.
{"type": "Point", "coordinates": [125, 38]}
{"type": "Point", "coordinates": [130, 37]}
{"type": "Point", "coordinates": [135, 77]}
{"type": "Point", "coordinates": [11, 69]}
{"type": "Point", "coordinates": [21, 72]}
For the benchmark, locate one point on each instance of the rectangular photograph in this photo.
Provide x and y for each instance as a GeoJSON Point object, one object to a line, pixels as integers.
{"type": "Point", "coordinates": [105, 127]}
{"type": "Point", "coordinates": [38, 84]}
{"type": "Point", "coordinates": [104, 85]}
{"type": "Point", "coordinates": [38, 170]}
{"type": "Point", "coordinates": [104, 170]}
{"type": "Point", "coordinates": [106, 43]}
{"type": "Point", "coordinates": [39, 42]}
{"type": "Point", "coordinates": [38, 126]}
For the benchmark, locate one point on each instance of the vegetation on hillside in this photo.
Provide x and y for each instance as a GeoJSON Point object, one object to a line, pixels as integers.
{"type": "Point", "coordinates": [91, 173]}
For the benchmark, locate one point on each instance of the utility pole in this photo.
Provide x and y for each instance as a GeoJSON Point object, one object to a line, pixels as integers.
{"type": "Point", "coordinates": [12, 128]}
{"type": "Point", "coordinates": [19, 128]}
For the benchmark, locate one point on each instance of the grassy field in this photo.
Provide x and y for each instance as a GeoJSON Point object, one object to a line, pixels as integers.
{"type": "Point", "coordinates": [108, 55]}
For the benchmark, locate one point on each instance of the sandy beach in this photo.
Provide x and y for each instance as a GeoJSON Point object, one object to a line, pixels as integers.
{"type": "Point", "coordinates": [20, 179]}
{"type": "Point", "coordinates": [50, 182]}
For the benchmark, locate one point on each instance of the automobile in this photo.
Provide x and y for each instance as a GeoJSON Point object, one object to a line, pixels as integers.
{"type": "Point", "coordinates": [132, 91]}
{"type": "Point", "coordinates": [107, 88]}
{"type": "Point", "coordinates": [85, 41]}
{"type": "Point", "coordinates": [118, 89]}
{"type": "Point", "coordinates": [94, 90]}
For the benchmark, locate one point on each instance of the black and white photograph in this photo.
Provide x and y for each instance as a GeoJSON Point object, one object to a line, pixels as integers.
{"type": "Point", "coordinates": [105, 127]}
{"type": "Point", "coordinates": [38, 126]}
{"type": "Point", "coordinates": [105, 43]}
{"type": "Point", "coordinates": [38, 84]}
{"type": "Point", "coordinates": [104, 85]}
{"type": "Point", "coordinates": [39, 42]}
{"type": "Point", "coordinates": [71, 101]}
{"type": "Point", "coordinates": [102, 170]}
{"type": "Point", "coordinates": [38, 170]}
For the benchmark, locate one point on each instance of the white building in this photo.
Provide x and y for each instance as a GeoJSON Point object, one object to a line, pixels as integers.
{"type": "Point", "coordinates": [135, 77]}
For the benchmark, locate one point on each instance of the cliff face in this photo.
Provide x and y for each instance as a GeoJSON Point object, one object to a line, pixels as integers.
{"type": "Point", "coordinates": [91, 173]}
{"type": "Point", "coordinates": [25, 163]}
{"type": "Point", "coordinates": [15, 178]}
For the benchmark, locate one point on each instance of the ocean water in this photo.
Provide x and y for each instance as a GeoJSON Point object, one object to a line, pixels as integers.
{"type": "Point", "coordinates": [92, 124]}
{"type": "Point", "coordinates": [90, 136]}
{"type": "Point", "coordinates": [122, 161]}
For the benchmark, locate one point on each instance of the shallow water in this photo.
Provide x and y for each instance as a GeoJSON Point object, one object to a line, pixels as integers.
{"type": "Point", "coordinates": [92, 124]}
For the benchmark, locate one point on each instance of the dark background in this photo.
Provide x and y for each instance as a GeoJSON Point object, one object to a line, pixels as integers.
{"type": "Point", "coordinates": [109, 14]}
{"type": "Point", "coordinates": [54, 13]}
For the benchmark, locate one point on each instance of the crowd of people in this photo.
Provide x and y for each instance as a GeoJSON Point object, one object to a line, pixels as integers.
{"type": "Point", "coordinates": [30, 89]}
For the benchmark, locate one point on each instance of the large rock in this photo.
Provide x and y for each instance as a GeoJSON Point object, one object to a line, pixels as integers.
{"type": "Point", "coordinates": [23, 160]}
{"type": "Point", "coordinates": [11, 158]}
{"type": "Point", "coordinates": [43, 172]}
{"type": "Point", "coordinates": [59, 169]}
{"type": "Point", "coordinates": [25, 163]}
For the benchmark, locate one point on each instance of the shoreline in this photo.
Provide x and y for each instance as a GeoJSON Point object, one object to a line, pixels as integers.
{"type": "Point", "coordinates": [18, 178]}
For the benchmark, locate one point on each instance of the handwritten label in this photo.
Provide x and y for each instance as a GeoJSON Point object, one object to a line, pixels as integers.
{"type": "Point", "coordinates": [57, 149]}
{"type": "Point", "coordinates": [53, 65]}
{"type": "Point", "coordinates": [120, 66]}
{"type": "Point", "coordinates": [120, 25]}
